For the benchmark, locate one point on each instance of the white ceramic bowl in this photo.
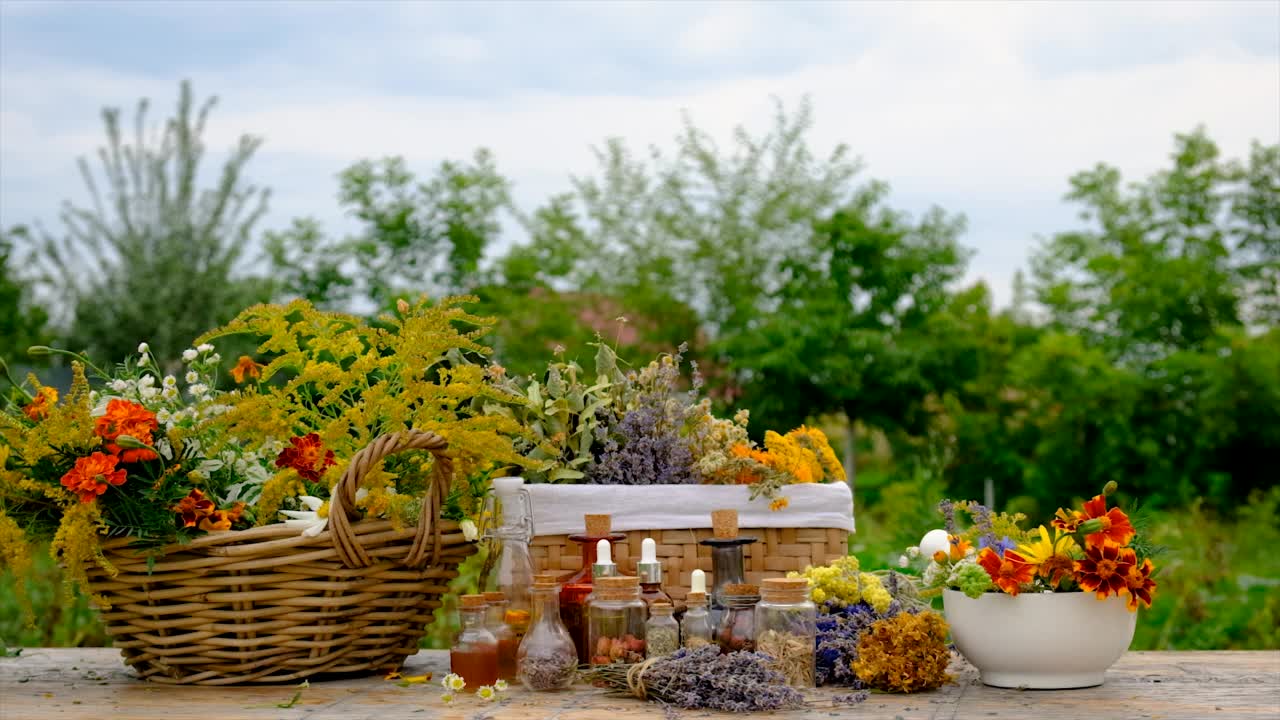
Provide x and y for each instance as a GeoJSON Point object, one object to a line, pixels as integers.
{"type": "Point", "coordinates": [1040, 640]}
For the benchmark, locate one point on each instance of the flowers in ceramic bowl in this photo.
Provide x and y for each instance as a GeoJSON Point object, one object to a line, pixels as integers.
{"type": "Point", "coordinates": [1093, 549]}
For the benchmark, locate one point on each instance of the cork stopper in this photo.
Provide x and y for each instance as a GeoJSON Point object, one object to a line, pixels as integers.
{"type": "Point", "coordinates": [741, 589]}
{"type": "Point", "coordinates": [724, 524]}
{"type": "Point", "coordinates": [495, 597]}
{"type": "Point", "coordinates": [617, 582]}
{"type": "Point", "coordinates": [695, 598]}
{"type": "Point", "coordinates": [472, 602]}
{"type": "Point", "coordinates": [661, 608]}
{"type": "Point", "coordinates": [553, 578]}
{"type": "Point", "coordinates": [785, 589]}
{"type": "Point", "coordinates": [598, 525]}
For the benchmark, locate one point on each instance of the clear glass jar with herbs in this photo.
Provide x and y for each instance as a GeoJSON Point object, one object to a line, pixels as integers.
{"type": "Point", "coordinates": [695, 626]}
{"type": "Point", "coordinates": [786, 623]}
{"type": "Point", "coordinates": [738, 622]}
{"type": "Point", "coordinates": [547, 659]}
{"type": "Point", "coordinates": [616, 621]}
{"type": "Point", "coordinates": [661, 632]}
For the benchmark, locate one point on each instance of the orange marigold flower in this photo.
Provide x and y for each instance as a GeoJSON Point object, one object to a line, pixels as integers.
{"type": "Point", "coordinates": [38, 409]}
{"type": "Point", "coordinates": [1104, 569]}
{"type": "Point", "coordinates": [91, 476]}
{"type": "Point", "coordinates": [1067, 520]}
{"type": "Point", "coordinates": [959, 547]}
{"type": "Point", "coordinates": [1009, 572]}
{"type": "Point", "coordinates": [306, 455]}
{"type": "Point", "coordinates": [193, 508]}
{"type": "Point", "coordinates": [1138, 582]}
{"type": "Point", "coordinates": [246, 367]}
{"type": "Point", "coordinates": [127, 418]}
{"type": "Point", "coordinates": [216, 521]}
{"type": "Point", "coordinates": [1115, 526]}
{"type": "Point", "coordinates": [1057, 568]}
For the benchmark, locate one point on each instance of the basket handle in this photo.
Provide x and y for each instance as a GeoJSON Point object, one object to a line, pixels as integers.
{"type": "Point", "coordinates": [342, 506]}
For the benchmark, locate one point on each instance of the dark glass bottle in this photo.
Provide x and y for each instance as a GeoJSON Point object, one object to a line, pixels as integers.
{"type": "Point", "coordinates": [726, 569]}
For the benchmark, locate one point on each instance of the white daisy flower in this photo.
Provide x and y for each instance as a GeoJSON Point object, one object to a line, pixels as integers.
{"type": "Point", "coordinates": [163, 416]}
{"type": "Point", "coordinates": [500, 686]}
{"type": "Point", "coordinates": [453, 682]}
{"type": "Point", "coordinates": [198, 389]}
{"type": "Point", "coordinates": [486, 693]}
{"type": "Point", "coordinates": [192, 377]}
{"type": "Point", "coordinates": [448, 698]}
{"type": "Point", "coordinates": [469, 530]}
{"type": "Point", "coordinates": [169, 393]}
{"type": "Point", "coordinates": [143, 348]}
{"type": "Point", "coordinates": [189, 355]}
{"type": "Point", "coordinates": [204, 347]}
{"type": "Point", "coordinates": [170, 381]}
{"type": "Point", "coordinates": [903, 561]}
{"type": "Point", "coordinates": [146, 381]}
{"type": "Point", "coordinates": [215, 358]}
{"type": "Point", "coordinates": [149, 393]}
{"type": "Point", "coordinates": [309, 520]}
{"type": "Point", "coordinates": [120, 385]}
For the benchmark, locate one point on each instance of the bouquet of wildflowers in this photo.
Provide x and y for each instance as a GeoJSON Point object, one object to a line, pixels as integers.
{"type": "Point", "coordinates": [1094, 549]}
{"type": "Point", "coordinates": [652, 426]}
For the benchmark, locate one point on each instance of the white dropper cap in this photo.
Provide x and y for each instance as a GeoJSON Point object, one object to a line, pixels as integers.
{"type": "Point", "coordinates": [698, 583]}
{"type": "Point", "coordinates": [604, 566]}
{"type": "Point", "coordinates": [649, 569]}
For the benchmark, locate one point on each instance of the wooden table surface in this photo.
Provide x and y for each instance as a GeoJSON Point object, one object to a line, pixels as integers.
{"type": "Point", "coordinates": [94, 683]}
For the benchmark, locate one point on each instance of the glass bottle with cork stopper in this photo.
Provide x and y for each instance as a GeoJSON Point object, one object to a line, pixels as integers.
{"type": "Point", "coordinates": [547, 659]}
{"type": "Point", "coordinates": [509, 550]}
{"type": "Point", "coordinates": [616, 621]}
{"type": "Point", "coordinates": [737, 628]}
{"type": "Point", "coordinates": [649, 570]}
{"type": "Point", "coordinates": [695, 626]}
{"type": "Point", "coordinates": [661, 631]}
{"type": "Point", "coordinates": [726, 558]}
{"type": "Point", "coordinates": [787, 629]}
{"type": "Point", "coordinates": [508, 643]}
{"type": "Point", "coordinates": [474, 654]}
{"type": "Point", "coordinates": [577, 587]}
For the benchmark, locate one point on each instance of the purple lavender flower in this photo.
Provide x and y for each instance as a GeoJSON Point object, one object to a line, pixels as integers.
{"type": "Point", "coordinates": [839, 629]}
{"type": "Point", "coordinates": [948, 510]}
{"type": "Point", "coordinates": [999, 546]}
{"type": "Point", "coordinates": [650, 454]}
{"type": "Point", "coordinates": [703, 678]}
{"type": "Point", "coordinates": [982, 522]}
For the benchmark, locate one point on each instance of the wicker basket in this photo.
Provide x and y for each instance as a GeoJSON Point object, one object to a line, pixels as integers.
{"type": "Point", "coordinates": [777, 551]}
{"type": "Point", "coordinates": [267, 605]}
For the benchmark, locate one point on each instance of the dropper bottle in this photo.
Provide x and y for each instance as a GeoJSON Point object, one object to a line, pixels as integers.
{"type": "Point", "coordinates": [650, 572]}
{"type": "Point", "coordinates": [695, 626]}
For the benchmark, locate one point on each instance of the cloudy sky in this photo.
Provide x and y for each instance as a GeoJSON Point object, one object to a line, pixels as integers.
{"type": "Point", "coordinates": [984, 109]}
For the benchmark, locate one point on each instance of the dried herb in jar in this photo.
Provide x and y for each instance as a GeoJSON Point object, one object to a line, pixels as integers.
{"type": "Point", "coordinates": [791, 654]}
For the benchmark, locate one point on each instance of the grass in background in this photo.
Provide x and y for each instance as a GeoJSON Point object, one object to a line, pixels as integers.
{"type": "Point", "coordinates": [1219, 580]}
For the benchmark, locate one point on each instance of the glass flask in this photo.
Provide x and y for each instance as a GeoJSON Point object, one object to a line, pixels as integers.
{"type": "Point", "coordinates": [547, 659]}
{"type": "Point", "coordinates": [787, 629]}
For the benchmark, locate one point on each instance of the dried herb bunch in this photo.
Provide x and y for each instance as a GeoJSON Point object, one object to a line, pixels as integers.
{"type": "Point", "coordinates": [702, 678]}
{"type": "Point", "coordinates": [905, 653]}
{"type": "Point", "coordinates": [792, 655]}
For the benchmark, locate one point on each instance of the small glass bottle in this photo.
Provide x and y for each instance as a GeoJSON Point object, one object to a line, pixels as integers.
{"type": "Point", "coordinates": [726, 558]}
{"type": "Point", "coordinates": [695, 626]}
{"type": "Point", "coordinates": [508, 643]}
{"type": "Point", "coordinates": [474, 655]}
{"type": "Point", "coordinates": [661, 631]}
{"type": "Point", "coordinates": [615, 621]}
{"type": "Point", "coordinates": [787, 629]}
{"type": "Point", "coordinates": [737, 630]}
{"type": "Point", "coordinates": [650, 572]}
{"type": "Point", "coordinates": [547, 659]}
{"type": "Point", "coordinates": [577, 587]}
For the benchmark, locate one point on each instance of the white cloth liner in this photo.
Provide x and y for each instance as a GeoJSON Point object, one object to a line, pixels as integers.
{"type": "Point", "coordinates": [558, 509]}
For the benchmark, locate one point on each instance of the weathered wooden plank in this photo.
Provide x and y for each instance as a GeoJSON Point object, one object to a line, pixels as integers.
{"type": "Point", "coordinates": [93, 683]}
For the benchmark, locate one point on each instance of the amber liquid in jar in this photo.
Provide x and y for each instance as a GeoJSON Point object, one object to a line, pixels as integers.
{"type": "Point", "coordinates": [476, 666]}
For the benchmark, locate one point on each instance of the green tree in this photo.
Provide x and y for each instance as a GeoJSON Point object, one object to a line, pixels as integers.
{"type": "Point", "coordinates": [852, 329]}
{"type": "Point", "coordinates": [154, 256]}
{"type": "Point", "coordinates": [22, 322]}
{"type": "Point", "coordinates": [1171, 259]}
{"type": "Point", "coordinates": [413, 236]}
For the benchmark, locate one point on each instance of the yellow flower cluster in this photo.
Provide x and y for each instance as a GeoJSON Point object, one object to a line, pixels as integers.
{"type": "Point", "coordinates": [792, 458]}
{"type": "Point", "coordinates": [905, 653]}
{"type": "Point", "coordinates": [843, 582]}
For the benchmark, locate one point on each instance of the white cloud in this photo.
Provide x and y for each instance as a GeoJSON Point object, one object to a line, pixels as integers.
{"type": "Point", "coordinates": [985, 109]}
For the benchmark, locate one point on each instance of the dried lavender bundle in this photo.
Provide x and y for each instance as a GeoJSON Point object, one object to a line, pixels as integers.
{"type": "Point", "coordinates": [702, 678]}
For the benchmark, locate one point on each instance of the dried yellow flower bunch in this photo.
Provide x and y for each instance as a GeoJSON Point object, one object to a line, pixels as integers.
{"type": "Point", "coordinates": [905, 653]}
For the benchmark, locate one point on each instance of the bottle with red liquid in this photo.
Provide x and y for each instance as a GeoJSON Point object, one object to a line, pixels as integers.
{"type": "Point", "coordinates": [649, 570]}
{"type": "Point", "coordinates": [474, 655]}
{"type": "Point", "coordinates": [508, 642]}
{"type": "Point", "coordinates": [579, 586]}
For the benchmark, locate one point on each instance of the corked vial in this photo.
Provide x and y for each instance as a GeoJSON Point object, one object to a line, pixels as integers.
{"type": "Point", "coordinates": [737, 623]}
{"type": "Point", "coordinates": [616, 621]}
{"type": "Point", "coordinates": [661, 632]}
{"type": "Point", "coordinates": [786, 629]}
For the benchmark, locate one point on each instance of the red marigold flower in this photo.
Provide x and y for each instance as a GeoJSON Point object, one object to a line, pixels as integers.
{"type": "Point", "coordinates": [1104, 569]}
{"type": "Point", "coordinates": [193, 508]}
{"type": "Point", "coordinates": [1009, 572]}
{"type": "Point", "coordinates": [127, 418]}
{"type": "Point", "coordinates": [246, 367]}
{"type": "Point", "coordinates": [91, 476]}
{"type": "Point", "coordinates": [1102, 526]}
{"type": "Point", "coordinates": [38, 409]}
{"type": "Point", "coordinates": [306, 455]}
{"type": "Point", "coordinates": [1138, 582]}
